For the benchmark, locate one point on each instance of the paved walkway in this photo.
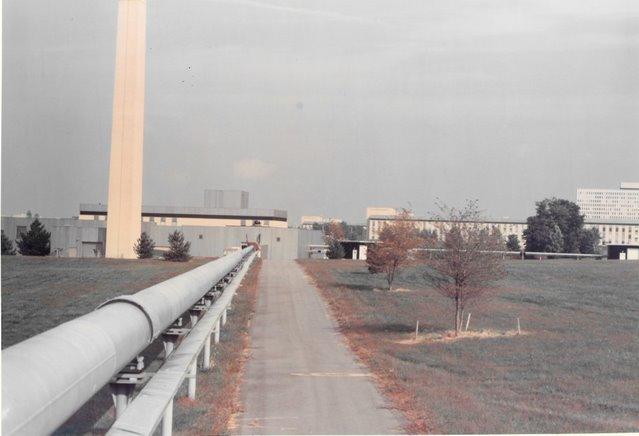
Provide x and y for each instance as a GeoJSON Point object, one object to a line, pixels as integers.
{"type": "Point", "coordinates": [301, 377]}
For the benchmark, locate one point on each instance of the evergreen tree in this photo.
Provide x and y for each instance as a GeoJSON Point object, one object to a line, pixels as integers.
{"type": "Point", "coordinates": [144, 246]}
{"type": "Point", "coordinates": [36, 242]}
{"type": "Point", "coordinates": [512, 243]}
{"type": "Point", "coordinates": [7, 246]}
{"type": "Point", "coordinates": [178, 248]}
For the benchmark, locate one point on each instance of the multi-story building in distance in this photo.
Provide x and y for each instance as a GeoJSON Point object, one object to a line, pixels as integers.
{"type": "Point", "coordinates": [610, 204]}
{"type": "Point", "coordinates": [307, 221]}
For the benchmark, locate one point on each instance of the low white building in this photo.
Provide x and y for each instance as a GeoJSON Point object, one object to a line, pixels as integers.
{"type": "Point", "coordinates": [620, 237]}
{"type": "Point", "coordinates": [307, 221]}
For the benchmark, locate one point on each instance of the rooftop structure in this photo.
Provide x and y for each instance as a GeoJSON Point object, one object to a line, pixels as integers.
{"type": "Point", "coordinates": [226, 198]}
{"type": "Point", "coordinates": [197, 216]}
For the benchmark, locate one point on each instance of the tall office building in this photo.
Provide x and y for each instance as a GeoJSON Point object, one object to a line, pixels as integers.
{"type": "Point", "coordinates": [610, 204]}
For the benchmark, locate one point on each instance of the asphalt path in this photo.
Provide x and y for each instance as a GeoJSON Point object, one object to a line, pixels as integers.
{"type": "Point", "coordinates": [301, 378]}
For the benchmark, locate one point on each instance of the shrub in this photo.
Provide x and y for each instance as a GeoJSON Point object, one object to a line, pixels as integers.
{"type": "Point", "coordinates": [512, 244]}
{"type": "Point", "coordinates": [144, 246]}
{"type": "Point", "coordinates": [335, 249]}
{"type": "Point", "coordinates": [36, 242]}
{"type": "Point", "coordinates": [178, 248]}
{"type": "Point", "coordinates": [7, 246]}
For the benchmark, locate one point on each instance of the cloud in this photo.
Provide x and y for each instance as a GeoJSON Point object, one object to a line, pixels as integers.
{"type": "Point", "coordinates": [252, 169]}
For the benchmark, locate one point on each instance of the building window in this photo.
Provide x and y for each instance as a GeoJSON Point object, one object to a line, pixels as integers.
{"type": "Point", "coordinates": [277, 239]}
{"type": "Point", "coordinates": [163, 220]}
{"type": "Point", "coordinates": [174, 220]}
{"type": "Point", "coordinates": [200, 236]}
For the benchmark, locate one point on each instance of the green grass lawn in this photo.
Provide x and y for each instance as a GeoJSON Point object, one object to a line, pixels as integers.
{"type": "Point", "coordinates": [575, 368]}
{"type": "Point", "coordinates": [39, 293]}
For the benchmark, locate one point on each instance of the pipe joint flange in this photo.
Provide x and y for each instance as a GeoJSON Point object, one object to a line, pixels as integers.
{"type": "Point", "coordinates": [154, 322]}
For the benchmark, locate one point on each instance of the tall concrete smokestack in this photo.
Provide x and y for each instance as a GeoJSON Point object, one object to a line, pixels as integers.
{"type": "Point", "coordinates": [127, 134]}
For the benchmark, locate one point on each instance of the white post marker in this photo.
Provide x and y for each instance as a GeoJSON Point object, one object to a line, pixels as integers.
{"type": "Point", "coordinates": [518, 327]}
{"type": "Point", "coordinates": [416, 330]}
{"type": "Point", "coordinates": [192, 380]}
{"type": "Point", "coordinates": [468, 320]}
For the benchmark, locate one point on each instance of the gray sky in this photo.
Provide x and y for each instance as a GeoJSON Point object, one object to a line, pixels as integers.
{"type": "Point", "coordinates": [326, 107]}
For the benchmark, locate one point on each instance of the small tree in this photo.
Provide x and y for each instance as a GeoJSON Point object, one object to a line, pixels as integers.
{"type": "Point", "coordinates": [512, 243]}
{"type": "Point", "coordinates": [392, 252]}
{"type": "Point", "coordinates": [7, 246]}
{"type": "Point", "coordinates": [335, 249]}
{"type": "Point", "coordinates": [178, 248]}
{"type": "Point", "coordinates": [467, 265]}
{"type": "Point", "coordinates": [36, 242]}
{"type": "Point", "coordinates": [333, 232]}
{"type": "Point", "coordinates": [144, 246]}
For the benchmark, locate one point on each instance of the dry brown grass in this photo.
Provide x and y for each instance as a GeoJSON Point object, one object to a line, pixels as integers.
{"type": "Point", "coordinates": [449, 336]}
{"type": "Point", "coordinates": [217, 399]}
{"type": "Point", "coordinates": [572, 369]}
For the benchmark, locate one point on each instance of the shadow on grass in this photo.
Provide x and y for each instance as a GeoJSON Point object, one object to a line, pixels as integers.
{"type": "Point", "coordinates": [354, 287]}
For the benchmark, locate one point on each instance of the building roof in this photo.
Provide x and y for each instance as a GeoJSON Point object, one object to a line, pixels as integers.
{"type": "Point", "coordinates": [195, 212]}
{"type": "Point", "coordinates": [417, 218]}
{"type": "Point", "coordinates": [507, 220]}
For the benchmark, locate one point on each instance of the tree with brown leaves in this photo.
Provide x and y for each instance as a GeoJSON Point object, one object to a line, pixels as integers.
{"type": "Point", "coordinates": [393, 251]}
{"type": "Point", "coordinates": [468, 261]}
{"type": "Point", "coordinates": [333, 234]}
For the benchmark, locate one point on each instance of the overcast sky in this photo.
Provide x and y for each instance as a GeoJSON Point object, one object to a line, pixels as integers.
{"type": "Point", "coordinates": [327, 106]}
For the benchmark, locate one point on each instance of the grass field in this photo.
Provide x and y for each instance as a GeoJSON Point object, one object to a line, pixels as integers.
{"type": "Point", "coordinates": [39, 293]}
{"type": "Point", "coordinates": [574, 368]}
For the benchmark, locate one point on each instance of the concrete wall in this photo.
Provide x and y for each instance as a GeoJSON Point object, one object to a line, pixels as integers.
{"type": "Point", "coordinates": [77, 238]}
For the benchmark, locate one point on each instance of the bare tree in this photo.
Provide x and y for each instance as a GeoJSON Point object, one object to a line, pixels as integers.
{"type": "Point", "coordinates": [393, 251]}
{"type": "Point", "coordinates": [468, 263]}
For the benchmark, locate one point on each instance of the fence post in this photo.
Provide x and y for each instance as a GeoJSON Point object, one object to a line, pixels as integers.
{"type": "Point", "coordinates": [224, 316]}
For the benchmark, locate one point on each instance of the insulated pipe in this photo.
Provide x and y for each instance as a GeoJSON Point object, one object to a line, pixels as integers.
{"type": "Point", "coordinates": [48, 377]}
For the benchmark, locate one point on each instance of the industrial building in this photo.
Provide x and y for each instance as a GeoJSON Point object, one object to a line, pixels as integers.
{"type": "Point", "coordinates": [221, 208]}
{"type": "Point", "coordinates": [72, 237]}
{"type": "Point", "coordinates": [224, 222]}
